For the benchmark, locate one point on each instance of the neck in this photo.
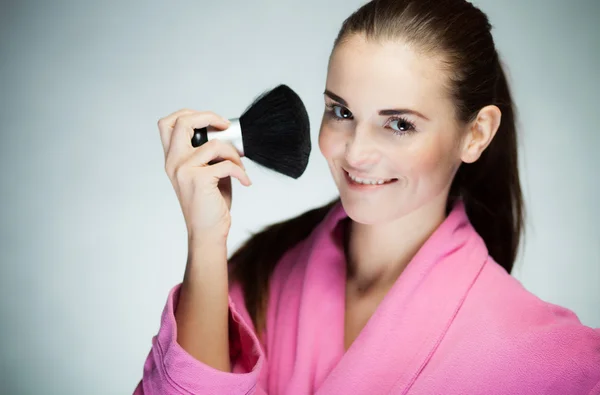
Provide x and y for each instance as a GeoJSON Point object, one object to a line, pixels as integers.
{"type": "Point", "coordinates": [377, 254]}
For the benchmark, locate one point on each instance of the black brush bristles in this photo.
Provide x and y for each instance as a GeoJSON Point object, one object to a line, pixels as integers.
{"type": "Point", "coordinates": [276, 132]}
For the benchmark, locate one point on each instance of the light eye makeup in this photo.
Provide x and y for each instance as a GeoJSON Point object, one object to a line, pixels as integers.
{"type": "Point", "coordinates": [340, 113]}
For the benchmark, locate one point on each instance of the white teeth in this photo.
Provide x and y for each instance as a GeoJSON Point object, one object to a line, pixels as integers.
{"type": "Point", "coordinates": [368, 182]}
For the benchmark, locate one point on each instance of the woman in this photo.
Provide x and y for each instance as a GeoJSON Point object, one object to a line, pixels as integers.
{"type": "Point", "coordinates": [402, 284]}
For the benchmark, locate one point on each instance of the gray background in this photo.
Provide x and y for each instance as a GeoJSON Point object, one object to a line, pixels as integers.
{"type": "Point", "coordinates": [92, 235]}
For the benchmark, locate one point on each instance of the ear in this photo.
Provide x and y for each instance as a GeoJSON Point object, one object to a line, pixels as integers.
{"type": "Point", "coordinates": [480, 133]}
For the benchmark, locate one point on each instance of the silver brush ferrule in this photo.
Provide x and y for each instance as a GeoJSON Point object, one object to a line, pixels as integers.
{"type": "Point", "coordinates": [233, 134]}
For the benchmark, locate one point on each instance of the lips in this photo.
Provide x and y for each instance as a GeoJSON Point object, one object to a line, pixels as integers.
{"type": "Point", "coordinates": [357, 185]}
{"type": "Point", "coordinates": [362, 178]}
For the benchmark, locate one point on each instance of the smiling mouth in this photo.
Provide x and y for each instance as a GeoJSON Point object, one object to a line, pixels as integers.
{"type": "Point", "coordinates": [373, 183]}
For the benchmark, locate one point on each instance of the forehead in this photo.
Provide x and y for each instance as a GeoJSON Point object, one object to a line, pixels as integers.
{"type": "Point", "coordinates": [379, 74]}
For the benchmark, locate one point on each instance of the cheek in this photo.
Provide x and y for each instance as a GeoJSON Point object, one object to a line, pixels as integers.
{"type": "Point", "coordinates": [329, 144]}
{"type": "Point", "coordinates": [432, 162]}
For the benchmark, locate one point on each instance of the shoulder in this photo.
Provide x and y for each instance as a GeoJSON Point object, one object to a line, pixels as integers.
{"type": "Point", "coordinates": [504, 300]}
{"type": "Point", "coordinates": [529, 334]}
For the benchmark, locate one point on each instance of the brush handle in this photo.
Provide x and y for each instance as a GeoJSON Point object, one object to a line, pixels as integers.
{"type": "Point", "coordinates": [232, 134]}
{"type": "Point", "coordinates": [200, 137]}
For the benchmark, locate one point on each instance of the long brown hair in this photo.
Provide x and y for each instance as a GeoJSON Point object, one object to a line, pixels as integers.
{"type": "Point", "coordinates": [460, 34]}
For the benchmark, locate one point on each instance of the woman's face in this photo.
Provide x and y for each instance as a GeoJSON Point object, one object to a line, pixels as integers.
{"type": "Point", "coordinates": [388, 116]}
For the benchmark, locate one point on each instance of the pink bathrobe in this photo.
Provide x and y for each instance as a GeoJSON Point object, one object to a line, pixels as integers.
{"type": "Point", "coordinates": [453, 323]}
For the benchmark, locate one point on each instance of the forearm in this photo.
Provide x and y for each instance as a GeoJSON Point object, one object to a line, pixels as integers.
{"type": "Point", "coordinates": [202, 311]}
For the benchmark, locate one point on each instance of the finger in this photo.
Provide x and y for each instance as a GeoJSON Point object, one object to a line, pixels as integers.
{"type": "Point", "coordinates": [180, 144]}
{"type": "Point", "coordinates": [229, 169]}
{"type": "Point", "coordinates": [215, 151]}
{"type": "Point", "coordinates": [166, 124]}
{"type": "Point", "coordinates": [210, 153]}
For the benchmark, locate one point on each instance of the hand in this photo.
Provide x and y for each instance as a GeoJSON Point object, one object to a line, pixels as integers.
{"type": "Point", "coordinates": [201, 176]}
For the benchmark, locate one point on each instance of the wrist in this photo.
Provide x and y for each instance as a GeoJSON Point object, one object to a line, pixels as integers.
{"type": "Point", "coordinates": [207, 239]}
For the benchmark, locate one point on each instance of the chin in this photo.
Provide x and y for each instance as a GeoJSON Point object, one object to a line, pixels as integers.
{"type": "Point", "coordinates": [367, 212]}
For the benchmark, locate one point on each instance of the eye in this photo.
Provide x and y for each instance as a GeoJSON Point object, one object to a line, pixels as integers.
{"type": "Point", "coordinates": [403, 126]}
{"type": "Point", "coordinates": [339, 113]}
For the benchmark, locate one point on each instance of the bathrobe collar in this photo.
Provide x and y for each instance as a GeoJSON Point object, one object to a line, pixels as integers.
{"type": "Point", "coordinates": [409, 323]}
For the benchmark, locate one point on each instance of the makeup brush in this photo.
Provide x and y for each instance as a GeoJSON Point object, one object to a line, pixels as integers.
{"type": "Point", "coordinates": [274, 131]}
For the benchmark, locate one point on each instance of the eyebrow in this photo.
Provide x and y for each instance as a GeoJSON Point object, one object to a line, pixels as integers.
{"type": "Point", "coordinates": [394, 111]}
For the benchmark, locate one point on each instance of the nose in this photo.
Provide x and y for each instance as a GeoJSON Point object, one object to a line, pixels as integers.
{"type": "Point", "coordinates": [361, 150]}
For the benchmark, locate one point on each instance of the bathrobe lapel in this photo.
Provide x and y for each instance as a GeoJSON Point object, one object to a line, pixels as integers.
{"type": "Point", "coordinates": [404, 331]}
